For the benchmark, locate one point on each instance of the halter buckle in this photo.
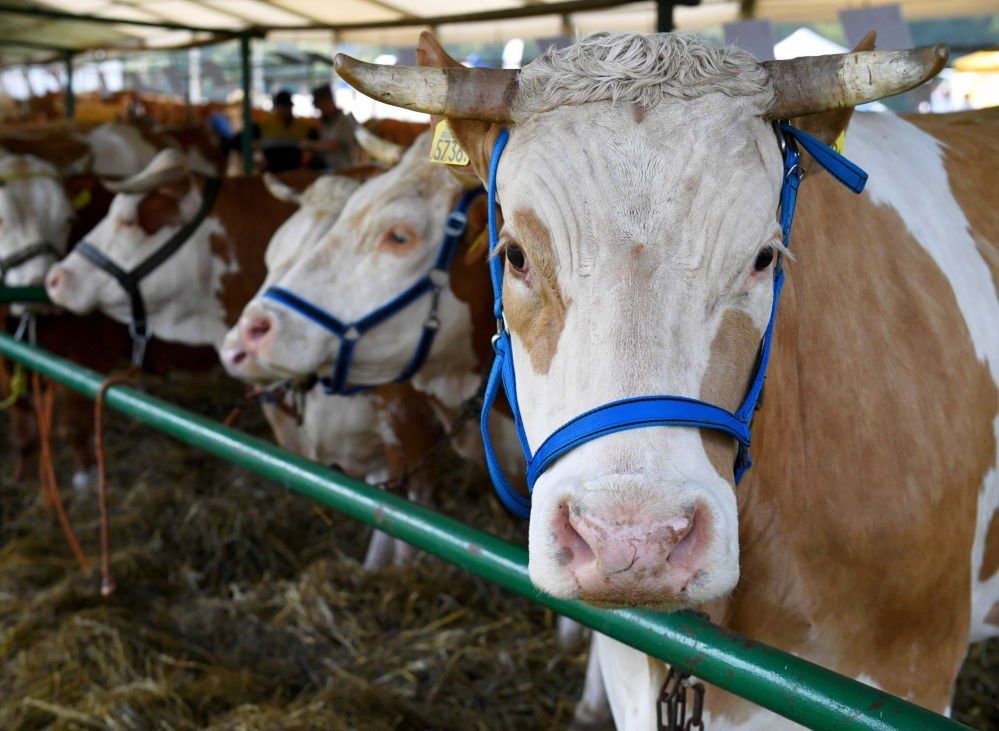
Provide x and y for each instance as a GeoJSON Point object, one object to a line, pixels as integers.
{"type": "Point", "coordinates": [456, 224]}
{"type": "Point", "coordinates": [439, 278]}
{"type": "Point", "coordinates": [351, 334]}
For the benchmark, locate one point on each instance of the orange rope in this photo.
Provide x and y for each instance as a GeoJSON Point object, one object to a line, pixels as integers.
{"type": "Point", "coordinates": [107, 581]}
{"type": "Point", "coordinates": [44, 400]}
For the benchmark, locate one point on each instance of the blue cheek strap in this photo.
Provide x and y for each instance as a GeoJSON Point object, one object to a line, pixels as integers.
{"type": "Point", "coordinates": [643, 411]}
{"type": "Point", "coordinates": [349, 333]}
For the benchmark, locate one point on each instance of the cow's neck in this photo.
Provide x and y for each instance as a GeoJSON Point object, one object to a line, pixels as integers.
{"type": "Point", "coordinates": [876, 440]}
{"type": "Point", "coordinates": [230, 247]}
{"type": "Point", "coordinates": [454, 369]}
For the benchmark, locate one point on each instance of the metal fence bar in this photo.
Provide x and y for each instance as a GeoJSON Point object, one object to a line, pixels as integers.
{"type": "Point", "coordinates": [788, 685]}
{"type": "Point", "coordinates": [9, 295]}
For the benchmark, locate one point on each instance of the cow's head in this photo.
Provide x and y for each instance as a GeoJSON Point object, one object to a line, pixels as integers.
{"type": "Point", "coordinates": [387, 238]}
{"type": "Point", "coordinates": [35, 218]}
{"type": "Point", "coordinates": [319, 206]}
{"type": "Point", "coordinates": [639, 190]}
{"type": "Point", "coordinates": [148, 209]}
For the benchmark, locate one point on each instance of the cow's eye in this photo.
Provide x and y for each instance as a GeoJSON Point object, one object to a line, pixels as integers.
{"type": "Point", "coordinates": [764, 259]}
{"type": "Point", "coordinates": [399, 235]}
{"type": "Point", "coordinates": [515, 256]}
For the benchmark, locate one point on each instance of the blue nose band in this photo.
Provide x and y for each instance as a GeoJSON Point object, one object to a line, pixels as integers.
{"type": "Point", "coordinates": [645, 410]}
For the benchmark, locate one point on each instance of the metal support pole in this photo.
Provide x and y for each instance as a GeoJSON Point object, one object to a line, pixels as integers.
{"type": "Point", "coordinates": [10, 295]}
{"type": "Point", "coordinates": [247, 137]}
{"type": "Point", "coordinates": [70, 95]}
{"type": "Point", "coordinates": [784, 683]}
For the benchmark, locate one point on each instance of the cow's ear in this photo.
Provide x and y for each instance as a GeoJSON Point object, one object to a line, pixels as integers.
{"type": "Point", "coordinates": [476, 137]}
{"type": "Point", "coordinates": [830, 127]}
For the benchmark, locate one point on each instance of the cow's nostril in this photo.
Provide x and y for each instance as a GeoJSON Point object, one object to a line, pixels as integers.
{"type": "Point", "coordinates": [689, 536]}
{"type": "Point", "coordinates": [258, 328]}
{"type": "Point", "coordinates": [571, 548]}
{"type": "Point", "coordinates": [239, 357]}
{"type": "Point", "coordinates": [54, 280]}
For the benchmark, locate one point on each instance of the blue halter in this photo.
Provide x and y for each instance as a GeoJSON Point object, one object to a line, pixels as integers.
{"type": "Point", "coordinates": [350, 332]}
{"type": "Point", "coordinates": [642, 411]}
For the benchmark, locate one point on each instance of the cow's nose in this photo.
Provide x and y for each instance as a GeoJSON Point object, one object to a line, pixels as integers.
{"type": "Point", "coordinates": [256, 329]}
{"type": "Point", "coordinates": [233, 358]}
{"type": "Point", "coordinates": [56, 280]}
{"type": "Point", "coordinates": [619, 552]}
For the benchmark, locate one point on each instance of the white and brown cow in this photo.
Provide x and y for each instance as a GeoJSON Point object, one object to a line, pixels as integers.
{"type": "Point", "coordinates": [387, 237]}
{"type": "Point", "coordinates": [639, 188]}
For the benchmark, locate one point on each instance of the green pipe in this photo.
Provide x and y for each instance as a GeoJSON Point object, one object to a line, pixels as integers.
{"type": "Point", "coordinates": [70, 95]}
{"type": "Point", "coordinates": [788, 685]}
{"type": "Point", "coordinates": [10, 295]}
{"type": "Point", "coordinates": [247, 135]}
{"type": "Point", "coordinates": [52, 14]}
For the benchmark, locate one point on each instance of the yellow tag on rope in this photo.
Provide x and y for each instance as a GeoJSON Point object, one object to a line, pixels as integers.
{"type": "Point", "coordinates": [445, 148]}
{"type": "Point", "coordinates": [82, 199]}
{"type": "Point", "coordinates": [18, 387]}
{"type": "Point", "coordinates": [840, 142]}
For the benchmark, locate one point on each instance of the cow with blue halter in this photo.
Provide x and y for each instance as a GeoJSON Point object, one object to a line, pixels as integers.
{"type": "Point", "coordinates": [648, 185]}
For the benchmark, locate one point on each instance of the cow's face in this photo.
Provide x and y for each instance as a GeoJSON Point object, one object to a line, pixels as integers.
{"type": "Point", "coordinates": [638, 262]}
{"type": "Point", "coordinates": [639, 189]}
{"type": "Point", "coordinates": [387, 238]}
{"type": "Point", "coordinates": [178, 294]}
{"type": "Point", "coordinates": [320, 206]}
{"type": "Point", "coordinates": [34, 209]}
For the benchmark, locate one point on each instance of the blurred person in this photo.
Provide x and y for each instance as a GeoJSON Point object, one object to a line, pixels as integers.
{"type": "Point", "coordinates": [281, 135]}
{"type": "Point", "coordinates": [333, 147]}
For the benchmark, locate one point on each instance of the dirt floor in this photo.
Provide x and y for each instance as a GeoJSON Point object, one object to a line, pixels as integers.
{"type": "Point", "coordinates": [242, 606]}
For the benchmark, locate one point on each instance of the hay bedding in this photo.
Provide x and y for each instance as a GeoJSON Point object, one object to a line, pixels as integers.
{"type": "Point", "coordinates": [242, 606]}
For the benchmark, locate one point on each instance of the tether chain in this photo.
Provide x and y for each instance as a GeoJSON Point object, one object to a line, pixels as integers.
{"type": "Point", "coordinates": [672, 703]}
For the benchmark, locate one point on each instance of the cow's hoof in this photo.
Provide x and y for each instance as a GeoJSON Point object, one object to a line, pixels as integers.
{"type": "Point", "coordinates": [84, 479]}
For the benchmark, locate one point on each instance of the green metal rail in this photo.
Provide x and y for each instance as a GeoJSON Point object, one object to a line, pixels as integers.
{"type": "Point", "coordinates": [10, 295]}
{"type": "Point", "coordinates": [788, 685]}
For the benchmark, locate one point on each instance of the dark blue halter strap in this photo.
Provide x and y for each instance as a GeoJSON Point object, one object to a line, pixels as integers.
{"type": "Point", "coordinates": [644, 411]}
{"type": "Point", "coordinates": [348, 333]}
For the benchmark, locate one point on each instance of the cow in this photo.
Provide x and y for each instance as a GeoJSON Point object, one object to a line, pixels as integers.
{"type": "Point", "coordinates": [387, 237]}
{"type": "Point", "coordinates": [639, 261]}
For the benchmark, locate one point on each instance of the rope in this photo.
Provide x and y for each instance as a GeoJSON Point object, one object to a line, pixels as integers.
{"type": "Point", "coordinates": [16, 385]}
{"type": "Point", "coordinates": [107, 581]}
{"type": "Point", "coordinates": [44, 401]}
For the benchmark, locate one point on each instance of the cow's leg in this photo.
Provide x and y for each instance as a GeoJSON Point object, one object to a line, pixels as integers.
{"type": "Point", "coordinates": [24, 440]}
{"type": "Point", "coordinates": [411, 432]}
{"type": "Point", "coordinates": [593, 711]}
{"type": "Point", "coordinates": [76, 427]}
{"type": "Point", "coordinates": [569, 631]}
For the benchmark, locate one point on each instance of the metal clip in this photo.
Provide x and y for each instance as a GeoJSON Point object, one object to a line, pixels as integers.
{"type": "Point", "coordinates": [140, 339]}
{"type": "Point", "coordinates": [26, 326]}
{"type": "Point", "coordinates": [456, 224]}
{"type": "Point", "coordinates": [351, 334]}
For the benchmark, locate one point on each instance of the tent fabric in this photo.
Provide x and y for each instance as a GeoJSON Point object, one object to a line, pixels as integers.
{"type": "Point", "coordinates": [396, 21]}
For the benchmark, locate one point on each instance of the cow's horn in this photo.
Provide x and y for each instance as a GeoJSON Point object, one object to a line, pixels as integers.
{"type": "Point", "coordinates": [458, 92]}
{"type": "Point", "coordinates": [281, 190]}
{"type": "Point", "coordinates": [820, 83]}
{"type": "Point", "coordinates": [147, 181]}
{"type": "Point", "coordinates": [379, 148]}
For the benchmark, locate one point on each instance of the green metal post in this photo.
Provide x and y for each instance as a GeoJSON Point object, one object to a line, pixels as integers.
{"type": "Point", "coordinates": [787, 685]}
{"type": "Point", "coordinates": [9, 295]}
{"type": "Point", "coordinates": [70, 95]}
{"type": "Point", "coordinates": [247, 138]}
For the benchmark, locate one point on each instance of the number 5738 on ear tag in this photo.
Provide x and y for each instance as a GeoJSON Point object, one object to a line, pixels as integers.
{"type": "Point", "coordinates": [445, 148]}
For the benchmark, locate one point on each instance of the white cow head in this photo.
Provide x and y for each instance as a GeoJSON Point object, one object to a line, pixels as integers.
{"type": "Point", "coordinates": [387, 238]}
{"type": "Point", "coordinates": [34, 210]}
{"type": "Point", "coordinates": [639, 191]}
{"type": "Point", "coordinates": [319, 206]}
{"type": "Point", "coordinates": [148, 209]}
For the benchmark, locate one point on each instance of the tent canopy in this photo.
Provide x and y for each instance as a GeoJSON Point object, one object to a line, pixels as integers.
{"type": "Point", "coordinates": [35, 30]}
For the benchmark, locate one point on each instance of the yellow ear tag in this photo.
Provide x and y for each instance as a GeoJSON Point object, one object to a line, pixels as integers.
{"type": "Point", "coordinates": [840, 142]}
{"type": "Point", "coordinates": [479, 246]}
{"type": "Point", "coordinates": [81, 199]}
{"type": "Point", "coordinates": [445, 148]}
